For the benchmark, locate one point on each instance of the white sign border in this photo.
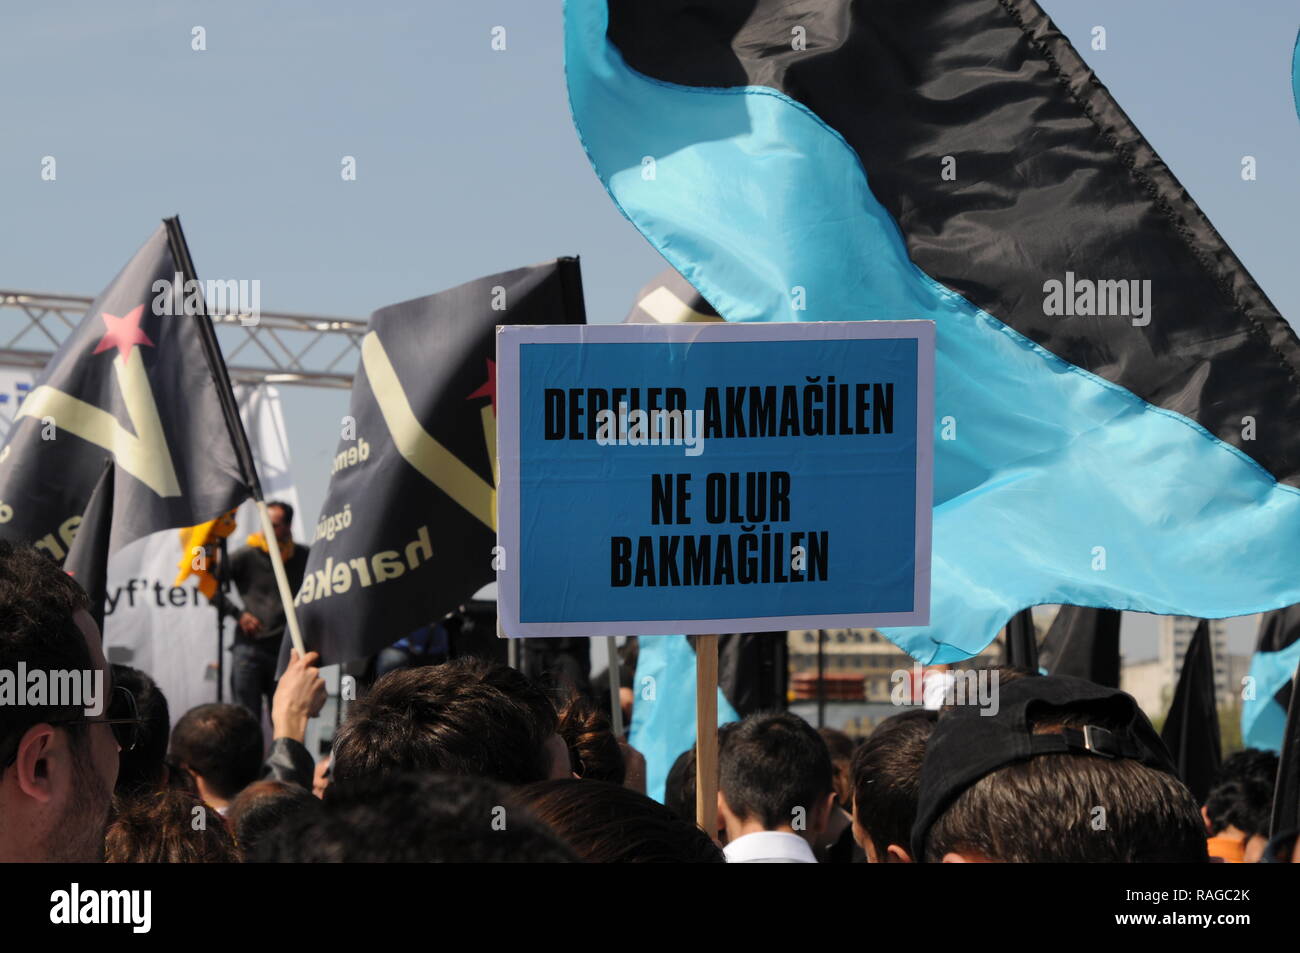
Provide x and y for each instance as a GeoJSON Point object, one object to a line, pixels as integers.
{"type": "Point", "coordinates": [511, 337]}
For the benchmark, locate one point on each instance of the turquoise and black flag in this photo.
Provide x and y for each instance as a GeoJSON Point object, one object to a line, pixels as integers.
{"type": "Point", "coordinates": [1115, 395]}
{"type": "Point", "coordinates": [1272, 674]}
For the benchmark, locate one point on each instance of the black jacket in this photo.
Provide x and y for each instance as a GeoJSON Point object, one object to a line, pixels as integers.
{"type": "Point", "coordinates": [251, 572]}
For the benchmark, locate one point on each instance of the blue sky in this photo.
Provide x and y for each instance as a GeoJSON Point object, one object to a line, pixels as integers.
{"type": "Point", "coordinates": [467, 162]}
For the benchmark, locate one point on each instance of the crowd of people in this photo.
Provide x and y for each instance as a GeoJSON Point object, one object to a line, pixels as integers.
{"type": "Point", "coordinates": [470, 760]}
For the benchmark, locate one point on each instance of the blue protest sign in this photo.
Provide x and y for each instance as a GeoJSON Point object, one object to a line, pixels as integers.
{"type": "Point", "coordinates": [693, 479]}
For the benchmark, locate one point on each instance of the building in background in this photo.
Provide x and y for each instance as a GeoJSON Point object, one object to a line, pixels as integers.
{"type": "Point", "coordinates": [1151, 681]}
{"type": "Point", "coordinates": [860, 669]}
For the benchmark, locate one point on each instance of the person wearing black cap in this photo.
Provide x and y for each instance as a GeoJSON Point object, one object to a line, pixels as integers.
{"type": "Point", "coordinates": [1065, 771]}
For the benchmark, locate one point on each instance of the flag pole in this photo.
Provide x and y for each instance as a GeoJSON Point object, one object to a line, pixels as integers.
{"type": "Point", "coordinates": [281, 577]}
{"type": "Point", "coordinates": [223, 588]}
{"type": "Point", "coordinates": [615, 703]}
{"type": "Point", "coordinates": [234, 424]}
{"type": "Point", "coordinates": [1285, 815]}
{"type": "Point", "coordinates": [706, 733]}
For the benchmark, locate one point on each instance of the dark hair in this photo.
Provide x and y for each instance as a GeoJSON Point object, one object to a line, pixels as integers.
{"type": "Point", "coordinates": [159, 828]}
{"type": "Point", "coordinates": [220, 743]}
{"type": "Point", "coordinates": [679, 787]}
{"type": "Point", "coordinates": [594, 752]}
{"type": "Point", "coordinates": [887, 778]}
{"type": "Point", "coordinates": [265, 805]}
{"type": "Point", "coordinates": [772, 764]}
{"type": "Point", "coordinates": [1242, 793]}
{"type": "Point", "coordinates": [1045, 809]}
{"type": "Point", "coordinates": [38, 602]}
{"type": "Point", "coordinates": [288, 509]}
{"type": "Point", "coordinates": [144, 767]}
{"type": "Point", "coordinates": [609, 824]}
{"type": "Point", "coordinates": [463, 717]}
{"type": "Point", "coordinates": [414, 818]}
{"type": "Point", "coordinates": [841, 748]}
{"type": "Point", "coordinates": [1243, 803]}
{"type": "Point", "coordinates": [1252, 764]}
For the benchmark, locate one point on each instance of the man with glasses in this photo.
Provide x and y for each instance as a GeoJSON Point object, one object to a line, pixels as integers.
{"type": "Point", "coordinates": [57, 764]}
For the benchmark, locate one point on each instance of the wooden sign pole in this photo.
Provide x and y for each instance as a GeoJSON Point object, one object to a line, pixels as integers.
{"type": "Point", "coordinates": [706, 733]}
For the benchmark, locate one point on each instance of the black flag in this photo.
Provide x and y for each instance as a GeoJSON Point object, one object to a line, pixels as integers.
{"type": "Point", "coordinates": [87, 560]}
{"type": "Point", "coordinates": [408, 528]}
{"type": "Point", "coordinates": [1286, 795]}
{"type": "Point", "coordinates": [139, 382]}
{"type": "Point", "coordinates": [1022, 641]}
{"type": "Point", "coordinates": [1191, 731]}
{"type": "Point", "coordinates": [1084, 643]}
{"type": "Point", "coordinates": [670, 299]}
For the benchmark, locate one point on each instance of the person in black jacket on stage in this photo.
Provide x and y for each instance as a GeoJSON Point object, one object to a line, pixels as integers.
{"type": "Point", "coordinates": [262, 619]}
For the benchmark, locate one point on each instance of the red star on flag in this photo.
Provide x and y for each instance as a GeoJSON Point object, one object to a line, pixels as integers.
{"type": "Point", "coordinates": [123, 332]}
{"type": "Point", "coordinates": [489, 389]}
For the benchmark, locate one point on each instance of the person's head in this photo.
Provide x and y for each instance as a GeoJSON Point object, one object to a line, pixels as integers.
{"type": "Point", "coordinates": [281, 514]}
{"type": "Point", "coordinates": [841, 748]}
{"type": "Point", "coordinates": [774, 774]}
{"type": "Point", "coordinates": [221, 746]}
{"type": "Point", "coordinates": [607, 823]}
{"type": "Point", "coordinates": [1065, 771]}
{"type": "Point", "coordinates": [144, 767]}
{"type": "Point", "coordinates": [264, 806]}
{"type": "Point", "coordinates": [168, 826]}
{"type": "Point", "coordinates": [679, 787]}
{"type": "Point", "coordinates": [58, 762]}
{"type": "Point", "coordinates": [414, 818]}
{"type": "Point", "coordinates": [1240, 808]}
{"type": "Point", "coordinates": [1240, 802]}
{"type": "Point", "coordinates": [886, 777]}
{"type": "Point", "coordinates": [594, 752]}
{"type": "Point", "coordinates": [465, 717]}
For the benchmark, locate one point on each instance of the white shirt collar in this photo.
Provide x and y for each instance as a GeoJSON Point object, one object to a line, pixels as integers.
{"type": "Point", "coordinates": [769, 845]}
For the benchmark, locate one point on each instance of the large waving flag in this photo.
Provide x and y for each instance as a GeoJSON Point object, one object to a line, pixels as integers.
{"type": "Point", "coordinates": [131, 427]}
{"type": "Point", "coordinates": [409, 522]}
{"type": "Point", "coordinates": [1115, 395]}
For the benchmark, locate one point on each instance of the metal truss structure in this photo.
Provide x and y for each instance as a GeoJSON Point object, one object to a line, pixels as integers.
{"type": "Point", "coordinates": [275, 348]}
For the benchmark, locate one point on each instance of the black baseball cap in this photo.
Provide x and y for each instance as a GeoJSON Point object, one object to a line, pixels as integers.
{"type": "Point", "coordinates": [966, 744]}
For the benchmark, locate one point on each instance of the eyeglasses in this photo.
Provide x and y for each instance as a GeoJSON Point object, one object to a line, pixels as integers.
{"type": "Point", "coordinates": [122, 716]}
